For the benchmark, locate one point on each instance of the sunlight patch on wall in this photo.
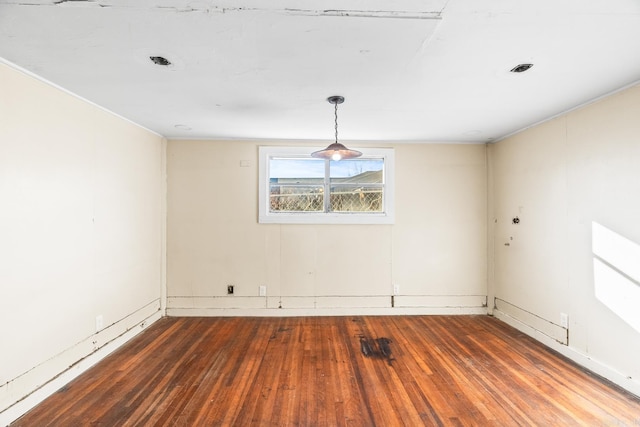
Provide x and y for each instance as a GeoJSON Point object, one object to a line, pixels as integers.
{"type": "Point", "coordinates": [616, 273]}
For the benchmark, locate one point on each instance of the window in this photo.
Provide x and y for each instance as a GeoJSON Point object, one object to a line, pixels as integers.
{"type": "Point", "coordinates": [296, 188]}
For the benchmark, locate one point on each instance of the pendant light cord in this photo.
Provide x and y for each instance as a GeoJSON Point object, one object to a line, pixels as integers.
{"type": "Point", "coordinates": [336, 114]}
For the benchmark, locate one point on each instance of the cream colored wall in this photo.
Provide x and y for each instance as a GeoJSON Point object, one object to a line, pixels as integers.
{"type": "Point", "coordinates": [435, 252]}
{"type": "Point", "coordinates": [560, 178]}
{"type": "Point", "coordinates": [81, 202]}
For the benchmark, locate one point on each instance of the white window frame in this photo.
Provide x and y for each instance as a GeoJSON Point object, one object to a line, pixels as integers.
{"type": "Point", "coordinates": [387, 216]}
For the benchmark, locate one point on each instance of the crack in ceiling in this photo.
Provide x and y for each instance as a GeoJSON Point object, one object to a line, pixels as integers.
{"type": "Point", "coordinates": [353, 13]}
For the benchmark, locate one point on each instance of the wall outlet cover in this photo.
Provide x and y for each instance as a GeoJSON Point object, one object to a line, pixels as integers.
{"type": "Point", "coordinates": [99, 323]}
{"type": "Point", "coordinates": [564, 320]}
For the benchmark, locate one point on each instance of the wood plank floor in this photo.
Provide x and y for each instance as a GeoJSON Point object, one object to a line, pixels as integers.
{"type": "Point", "coordinates": [311, 371]}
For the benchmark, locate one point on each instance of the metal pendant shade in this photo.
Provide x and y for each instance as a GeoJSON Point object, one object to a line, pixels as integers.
{"type": "Point", "coordinates": [336, 151]}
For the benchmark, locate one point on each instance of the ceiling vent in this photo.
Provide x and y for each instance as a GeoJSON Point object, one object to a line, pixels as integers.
{"type": "Point", "coordinates": [159, 60]}
{"type": "Point", "coordinates": [521, 68]}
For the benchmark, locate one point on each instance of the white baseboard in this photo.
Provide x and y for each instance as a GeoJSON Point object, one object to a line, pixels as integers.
{"type": "Point", "coordinates": [574, 354]}
{"type": "Point", "coordinates": [28, 390]}
{"type": "Point", "coordinates": [327, 305]}
{"type": "Point", "coordinates": [293, 312]}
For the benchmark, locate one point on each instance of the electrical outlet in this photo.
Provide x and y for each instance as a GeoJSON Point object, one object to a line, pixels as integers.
{"type": "Point", "coordinates": [396, 289]}
{"type": "Point", "coordinates": [262, 291]}
{"type": "Point", "coordinates": [230, 289]}
{"type": "Point", "coordinates": [99, 323]}
{"type": "Point", "coordinates": [564, 320]}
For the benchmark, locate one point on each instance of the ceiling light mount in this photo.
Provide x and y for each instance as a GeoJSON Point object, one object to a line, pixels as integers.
{"type": "Point", "coordinates": [336, 99]}
{"type": "Point", "coordinates": [336, 151]}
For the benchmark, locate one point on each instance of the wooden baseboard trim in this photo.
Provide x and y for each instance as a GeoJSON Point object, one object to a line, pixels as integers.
{"type": "Point", "coordinates": [574, 354]}
{"type": "Point", "coordinates": [38, 387]}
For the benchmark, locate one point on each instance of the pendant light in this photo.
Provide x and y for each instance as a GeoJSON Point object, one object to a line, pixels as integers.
{"type": "Point", "coordinates": [336, 151]}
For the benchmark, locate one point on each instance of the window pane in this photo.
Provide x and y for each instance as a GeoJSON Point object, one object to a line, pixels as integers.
{"type": "Point", "coordinates": [296, 184]}
{"type": "Point", "coordinates": [356, 185]}
{"type": "Point", "coordinates": [296, 198]}
{"type": "Point", "coordinates": [357, 171]}
{"type": "Point", "coordinates": [295, 169]}
{"type": "Point", "coordinates": [349, 198]}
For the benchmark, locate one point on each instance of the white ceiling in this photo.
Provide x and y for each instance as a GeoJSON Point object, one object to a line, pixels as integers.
{"type": "Point", "coordinates": [410, 70]}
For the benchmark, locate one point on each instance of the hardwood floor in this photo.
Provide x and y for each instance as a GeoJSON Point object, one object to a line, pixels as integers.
{"type": "Point", "coordinates": [312, 371]}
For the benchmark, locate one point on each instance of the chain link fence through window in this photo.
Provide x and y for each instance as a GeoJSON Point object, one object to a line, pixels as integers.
{"type": "Point", "coordinates": [311, 199]}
